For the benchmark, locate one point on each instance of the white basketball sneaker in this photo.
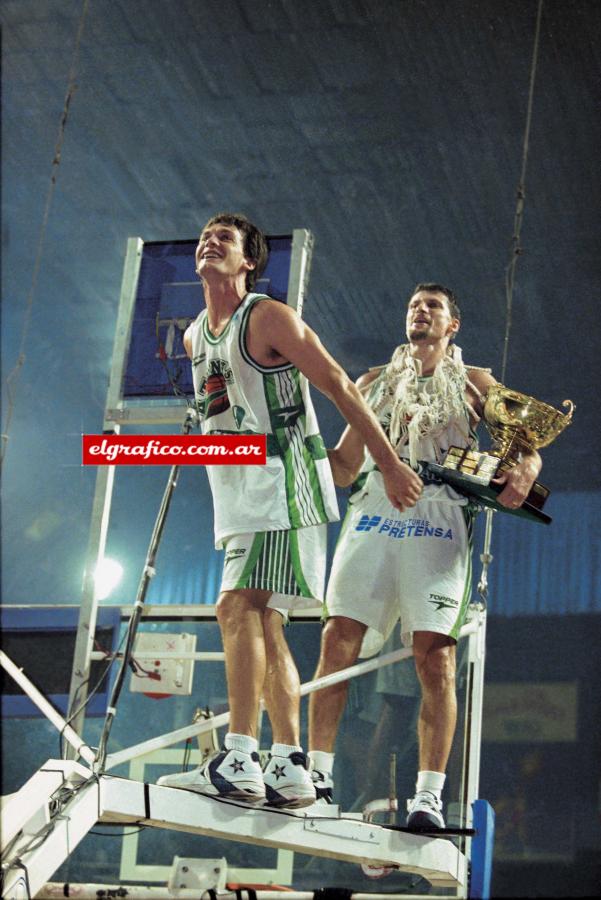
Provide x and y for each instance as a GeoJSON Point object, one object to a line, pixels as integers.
{"type": "Point", "coordinates": [425, 812]}
{"type": "Point", "coordinates": [324, 786]}
{"type": "Point", "coordinates": [228, 773]}
{"type": "Point", "coordinates": [288, 782]}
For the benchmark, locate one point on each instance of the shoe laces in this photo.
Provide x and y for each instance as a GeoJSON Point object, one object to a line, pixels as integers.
{"type": "Point", "coordinates": [425, 798]}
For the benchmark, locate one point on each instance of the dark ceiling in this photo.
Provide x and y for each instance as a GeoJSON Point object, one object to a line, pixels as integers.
{"type": "Point", "coordinates": [392, 129]}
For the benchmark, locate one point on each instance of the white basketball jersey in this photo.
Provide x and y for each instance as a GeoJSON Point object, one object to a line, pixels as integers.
{"type": "Point", "coordinates": [236, 395]}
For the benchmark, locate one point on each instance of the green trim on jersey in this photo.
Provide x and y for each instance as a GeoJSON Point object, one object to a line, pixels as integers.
{"type": "Point", "coordinates": [211, 337]}
{"type": "Point", "coordinates": [242, 346]}
{"type": "Point", "coordinates": [287, 415]}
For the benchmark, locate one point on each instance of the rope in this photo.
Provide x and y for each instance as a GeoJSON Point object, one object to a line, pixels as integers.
{"type": "Point", "coordinates": [516, 251]}
{"type": "Point", "coordinates": [521, 195]}
{"type": "Point", "coordinates": [11, 379]}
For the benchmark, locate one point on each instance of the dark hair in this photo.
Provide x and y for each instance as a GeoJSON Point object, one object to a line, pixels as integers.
{"type": "Point", "coordinates": [440, 289]}
{"type": "Point", "coordinates": [253, 242]}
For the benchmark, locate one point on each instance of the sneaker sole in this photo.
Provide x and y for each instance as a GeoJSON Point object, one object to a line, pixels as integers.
{"type": "Point", "coordinates": [208, 790]}
{"type": "Point", "coordinates": [279, 800]}
{"type": "Point", "coordinates": [423, 822]}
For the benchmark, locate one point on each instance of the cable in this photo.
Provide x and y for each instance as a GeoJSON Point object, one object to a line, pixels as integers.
{"type": "Point", "coordinates": [148, 572]}
{"type": "Point", "coordinates": [521, 195]}
{"type": "Point", "coordinates": [13, 375]}
{"type": "Point", "coordinates": [95, 689]}
{"type": "Point", "coordinates": [516, 252]}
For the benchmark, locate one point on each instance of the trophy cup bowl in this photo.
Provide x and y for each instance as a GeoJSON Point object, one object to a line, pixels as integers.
{"type": "Point", "coordinates": [517, 422]}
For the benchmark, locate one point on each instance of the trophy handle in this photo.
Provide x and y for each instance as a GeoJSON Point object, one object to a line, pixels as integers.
{"type": "Point", "coordinates": [568, 415]}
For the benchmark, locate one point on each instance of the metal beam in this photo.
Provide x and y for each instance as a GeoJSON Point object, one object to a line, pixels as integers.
{"type": "Point", "coordinates": [34, 857]}
{"type": "Point", "coordinates": [57, 823]}
{"type": "Point", "coordinates": [344, 838]}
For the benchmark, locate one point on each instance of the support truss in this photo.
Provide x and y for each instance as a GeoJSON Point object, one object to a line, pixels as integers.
{"type": "Point", "coordinates": [63, 801]}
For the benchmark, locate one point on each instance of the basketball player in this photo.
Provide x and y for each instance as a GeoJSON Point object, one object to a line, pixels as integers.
{"type": "Point", "coordinates": [414, 566]}
{"type": "Point", "coordinates": [252, 358]}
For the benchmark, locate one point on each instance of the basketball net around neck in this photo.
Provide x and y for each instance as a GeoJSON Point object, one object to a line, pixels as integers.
{"type": "Point", "coordinates": [422, 410]}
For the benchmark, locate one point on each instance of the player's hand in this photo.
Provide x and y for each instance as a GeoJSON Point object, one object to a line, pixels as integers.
{"type": "Point", "coordinates": [403, 486]}
{"type": "Point", "coordinates": [518, 481]}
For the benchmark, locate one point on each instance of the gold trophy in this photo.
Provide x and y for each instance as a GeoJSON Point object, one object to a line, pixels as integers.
{"type": "Point", "coordinates": [516, 423]}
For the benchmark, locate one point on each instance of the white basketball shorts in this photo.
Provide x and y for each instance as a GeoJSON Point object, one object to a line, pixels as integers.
{"type": "Point", "coordinates": [291, 564]}
{"type": "Point", "coordinates": [414, 566]}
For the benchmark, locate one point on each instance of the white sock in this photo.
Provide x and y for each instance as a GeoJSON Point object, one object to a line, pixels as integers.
{"type": "Point", "coordinates": [285, 749]}
{"type": "Point", "coordinates": [322, 761]}
{"type": "Point", "coordinates": [431, 781]}
{"type": "Point", "coordinates": [242, 742]}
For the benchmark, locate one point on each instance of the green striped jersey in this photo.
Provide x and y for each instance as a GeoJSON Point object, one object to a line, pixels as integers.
{"type": "Point", "coordinates": [237, 395]}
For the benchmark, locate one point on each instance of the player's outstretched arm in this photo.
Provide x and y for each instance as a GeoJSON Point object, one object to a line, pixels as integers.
{"type": "Point", "coordinates": [346, 458]}
{"type": "Point", "coordinates": [284, 333]}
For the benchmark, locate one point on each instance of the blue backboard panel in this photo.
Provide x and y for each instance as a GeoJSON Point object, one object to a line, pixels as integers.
{"type": "Point", "coordinates": [169, 296]}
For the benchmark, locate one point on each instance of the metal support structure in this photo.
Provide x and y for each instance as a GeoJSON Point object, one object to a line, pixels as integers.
{"type": "Point", "coordinates": [63, 801]}
{"type": "Point", "coordinates": [145, 579]}
{"type": "Point", "coordinates": [54, 829]}
{"type": "Point", "coordinates": [300, 268]}
{"type": "Point", "coordinates": [103, 492]}
{"type": "Point", "coordinates": [67, 732]}
{"type": "Point", "coordinates": [37, 851]}
{"type": "Point", "coordinates": [188, 731]}
{"type": "Point", "coordinates": [482, 850]}
{"type": "Point", "coordinates": [473, 712]}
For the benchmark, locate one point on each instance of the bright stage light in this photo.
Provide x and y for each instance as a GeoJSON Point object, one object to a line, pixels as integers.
{"type": "Point", "coordinates": [106, 577]}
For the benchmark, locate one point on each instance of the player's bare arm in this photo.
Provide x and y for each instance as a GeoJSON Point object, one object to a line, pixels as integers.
{"type": "Point", "coordinates": [187, 341]}
{"type": "Point", "coordinates": [276, 334]}
{"type": "Point", "coordinates": [519, 479]}
{"type": "Point", "coordinates": [346, 458]}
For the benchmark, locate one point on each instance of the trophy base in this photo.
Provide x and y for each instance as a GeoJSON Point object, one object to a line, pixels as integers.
{"type": "Point", "coordinates": [471, 472]}
{"type": "Point", "coordinates": [483, 467]}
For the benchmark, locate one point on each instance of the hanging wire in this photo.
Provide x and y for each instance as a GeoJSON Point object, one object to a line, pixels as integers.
{"type": "Point", "coordinates": [11, 380]}
{"type": "Point", "coordinates": [516, 250]}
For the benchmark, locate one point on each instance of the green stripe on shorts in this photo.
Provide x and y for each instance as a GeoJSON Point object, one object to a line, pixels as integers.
{"type": "Point", "coordinates": [255, 550]}
{"type": "Point", "coordinates": [468, 515]}
{"type": "Point", "coordinates": [274, 564]}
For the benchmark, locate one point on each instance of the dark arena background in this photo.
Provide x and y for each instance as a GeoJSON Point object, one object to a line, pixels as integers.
{"type": "Point", "coordinates": [454, 141]}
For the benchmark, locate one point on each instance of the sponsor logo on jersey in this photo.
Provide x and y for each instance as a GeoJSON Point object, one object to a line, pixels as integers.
{"type": "Point", "coordinates": [366, 523]}
{"type": "Point", "coordinates": [403, 528]}
{"type": "Point", "coordinates": [286, 416]}
{"type": "Point", "coordinates": [212, 392]}
{"type": "Point", "coordinates": [442, 602]}
{"type": "Point", "coordinates": [236, 553]}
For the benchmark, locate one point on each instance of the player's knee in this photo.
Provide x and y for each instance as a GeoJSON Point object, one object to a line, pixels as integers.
{"type": "Point", "coordinates": [341, 641]}
{"type": "Point", "coordinates": [436, 667]}
{"type": "Point", "coordinates": [273, 626]}
{"type": "Point", "coordinates": [230, 610]}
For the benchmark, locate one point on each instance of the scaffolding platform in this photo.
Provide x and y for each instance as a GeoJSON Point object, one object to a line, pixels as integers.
{"type": "Point", "coordinates": [63, 801]}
